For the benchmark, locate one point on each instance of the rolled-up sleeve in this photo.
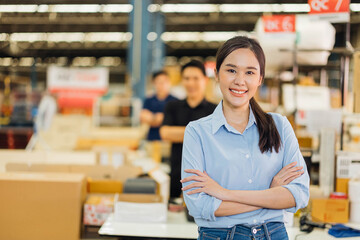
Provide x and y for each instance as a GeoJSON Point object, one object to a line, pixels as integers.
{"type": "Point", "coordinates": [299, 187]}
{"type": "Point", "coordinates": [200, 205]}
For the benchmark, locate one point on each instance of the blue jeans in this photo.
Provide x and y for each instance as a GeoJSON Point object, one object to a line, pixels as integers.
{"type": "Point", "coordinates": [266, 231]}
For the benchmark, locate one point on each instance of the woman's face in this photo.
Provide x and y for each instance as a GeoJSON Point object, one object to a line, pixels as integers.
{"type": "Point", "coordinates": [239, 77]}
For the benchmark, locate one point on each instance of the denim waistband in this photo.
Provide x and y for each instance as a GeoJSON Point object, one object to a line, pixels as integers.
{"type": "Point", "coordinates": [257, 231]}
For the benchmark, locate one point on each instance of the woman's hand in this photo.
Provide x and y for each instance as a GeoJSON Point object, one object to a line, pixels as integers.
{"type": "Point", "coordinates": [286, 175]}
{"type": "Point", "coordinates": [203, 183]}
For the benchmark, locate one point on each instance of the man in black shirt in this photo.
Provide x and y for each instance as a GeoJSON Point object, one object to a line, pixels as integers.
{"type": "Point", "coordinates": [179, 113]}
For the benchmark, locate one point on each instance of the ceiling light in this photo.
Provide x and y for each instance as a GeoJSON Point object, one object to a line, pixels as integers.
{"type": "Point", "coordinates": [18, 8]}
{"type": "Point", "coordinates": [197, 36]}
{"type": "Point", "coordinates": [81, 8]}
{"type": "Point", "coordinates": [252, 8]}
{"type": "Point", "coordinates": [355, 7]}
{"type": "Point", "coordinates": [189, 8]}
{"type": "Point", "coordinates": [114, 8]}
{"type": "Point", "coordinates": [68, 37]}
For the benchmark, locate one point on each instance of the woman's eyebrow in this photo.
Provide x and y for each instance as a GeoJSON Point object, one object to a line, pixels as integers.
{"type": "Point", "coordinates": [234, 66]}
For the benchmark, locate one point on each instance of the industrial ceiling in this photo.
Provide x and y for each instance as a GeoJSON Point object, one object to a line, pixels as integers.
{"type": "Point", "coordinates": [53, 30]}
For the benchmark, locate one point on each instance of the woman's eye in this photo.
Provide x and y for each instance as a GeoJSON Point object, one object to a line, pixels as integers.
{"type": "Point", "coordinates": [249, 73]}
{"type": "Point", "coordinates": [231, 71]}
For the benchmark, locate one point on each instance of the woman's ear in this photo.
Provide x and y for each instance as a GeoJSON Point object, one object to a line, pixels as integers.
{"type": "Point", "coordinates": [260, 81]}
{"type": "Point", "coordinates": [216, 74]}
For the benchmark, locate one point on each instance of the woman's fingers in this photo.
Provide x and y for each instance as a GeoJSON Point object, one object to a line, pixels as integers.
{"type": "Point", "coordinates": [197, 172]}
{"type": "Point", "coordinates": [286, 168]}
{"type": "Point", "coordinates": [285, 172]}
{"type": "Point", "coordinates": [291, 173]}
{"type": "Point", "coordinates": [191, 178]}
{"type": "Point", "coordinates": [192, 185]}
{"type": "Point", "coordinates": [290, 165]}
{"type": "Point", "coordinates": [199, 190]}
{"type": "Point", "coordinates": [290, 179]}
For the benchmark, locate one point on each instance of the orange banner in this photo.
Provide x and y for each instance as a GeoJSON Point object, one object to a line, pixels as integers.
{"type": "Point", "coordinates": [329, 6]}
{"type": "Point", "coordinates": [279, 23]}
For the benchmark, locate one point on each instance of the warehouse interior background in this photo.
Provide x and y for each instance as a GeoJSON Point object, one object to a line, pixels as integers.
{"type": "Point", "coordinates": [73, 78]}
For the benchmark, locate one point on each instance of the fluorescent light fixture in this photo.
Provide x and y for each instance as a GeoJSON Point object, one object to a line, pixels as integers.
{"type": "Point", "coordinates": [28, 37]}
{"type": "Point", "coordinates": [26, 61]}
{"type": "Point", "coordinates": [4, 36]}
{"type": "Point", "coordinates": [117, 8]}
{"type": "Point", "coordinates": [68, 37]}
{"type": "Point", "coordinates": [18, 8]}
{"type": "Point", "coordinates": [355, 7]}
{"type": "Point", "coordinates": [166, 8]}
{"type": "Point", "coordinates": [197, 36]}
{"type": "Point", "coordinates": [152, 36]}
{"type": "Point", "coordinates": [217, 36]}
{"type": "Point", "coordinates": [81, 8]}
{"type": "Point", "coordinates": [258, 8]}
{"type": "Point", "coordinates": [189, 8]}
{"type": "Point", "coordinates": [108, 37]}
{"type": "Point", "coordinates": [43, 8]}
{"type": "Point", "coordinates": [296, 8]}
{"type": "Point", "coordinates": [6, 61]}
{"type": "Point", "coordinates": [154, 8]}
{"type": "Point", "coordinates": [68, 8]}
{"type": "Point", "coordinates": [116, 36]}
{"type": "Point", "coordinates": [180, 36]}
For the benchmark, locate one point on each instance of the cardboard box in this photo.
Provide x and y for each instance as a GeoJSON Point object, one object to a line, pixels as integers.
{"type": "Point", "coordinates": [342, 185]}
{"type": "Point", "coordinates": [163, 181]}
{"type": "Point", "coordinates": [41, 206]}
{"type": "Point", "coordinates": [140, 208]}
{"type": "Point", "coordinates": [104, 186]}
{"type": "Point", "coordinates": [87, 143]}
{"type": "Point", "coordinates": [113, 156]}
{"type": "Point", "coordinates": [97, 208]}
{"type": "Point", "coordinates": [138, 198]}
{"type": "Point", "coordinates": [101, 179]}
{"type": "Point", "coordinates": [330, 210]}
{"type": "Point", "coordinates": [45, 157]}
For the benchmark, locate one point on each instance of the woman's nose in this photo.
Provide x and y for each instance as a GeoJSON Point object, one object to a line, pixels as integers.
{"type": "Point", "coordinates": [239, 79]}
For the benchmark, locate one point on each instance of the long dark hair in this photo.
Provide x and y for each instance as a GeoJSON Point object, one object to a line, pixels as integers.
{"type": "Point", "coordinates": [269, 137]}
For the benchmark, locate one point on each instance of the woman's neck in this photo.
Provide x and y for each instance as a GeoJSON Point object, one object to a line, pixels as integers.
{"type": "Point", "coordinates": [238, 118]}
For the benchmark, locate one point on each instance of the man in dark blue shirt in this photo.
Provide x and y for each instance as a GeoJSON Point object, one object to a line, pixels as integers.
{"type": "Point", "coordinates": [152, 113]}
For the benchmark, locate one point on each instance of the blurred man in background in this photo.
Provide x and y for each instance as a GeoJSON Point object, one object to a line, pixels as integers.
{"type": "Point", "coordinates": [178, 114]}
{"type": "Point", "coordinates": [152, 113]}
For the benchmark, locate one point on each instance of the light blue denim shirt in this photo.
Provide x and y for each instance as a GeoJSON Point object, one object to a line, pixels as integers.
{"type": "Point", "coordinates": [234, 160]}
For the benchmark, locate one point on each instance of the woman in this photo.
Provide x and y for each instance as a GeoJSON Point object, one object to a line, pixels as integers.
{"type": "Point", "coordinates": [234, 180]}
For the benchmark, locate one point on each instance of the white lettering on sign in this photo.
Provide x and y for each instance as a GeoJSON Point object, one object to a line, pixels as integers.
{"type": "Point", "coordinates": [319, 5]}
{"type": "Point", "coordinates": [287, 24]}
{"type": "Point", "coordinates": [272, 25]}
{"type": "Point", "coordinates": [62, 78]}
{"type": "Point", "coordinates": [338, 5]}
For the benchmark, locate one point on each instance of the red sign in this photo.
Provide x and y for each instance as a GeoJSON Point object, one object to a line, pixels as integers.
{"type": "Point", "coordinates": [329, 6]}
{"type": "Point", "coordinates": [279, 23]}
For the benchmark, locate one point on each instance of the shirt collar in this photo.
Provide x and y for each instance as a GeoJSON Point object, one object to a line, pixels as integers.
{"type": "Point", "coordinates": [201, 104]}
{"type": "Point", "coordinates": [219, 119]}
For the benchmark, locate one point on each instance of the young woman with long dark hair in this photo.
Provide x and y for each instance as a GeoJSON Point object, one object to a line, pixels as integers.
{"type": "Point", "coordinates": [241, 167]}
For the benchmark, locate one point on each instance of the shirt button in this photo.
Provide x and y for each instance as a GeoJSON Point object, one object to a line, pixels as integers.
{"type": "Point", "coordinates": [254, 221]}
{"type": "Point", "coordinates": [247, 155]}
{"type": "Point", "coordinates": [249, 181]}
